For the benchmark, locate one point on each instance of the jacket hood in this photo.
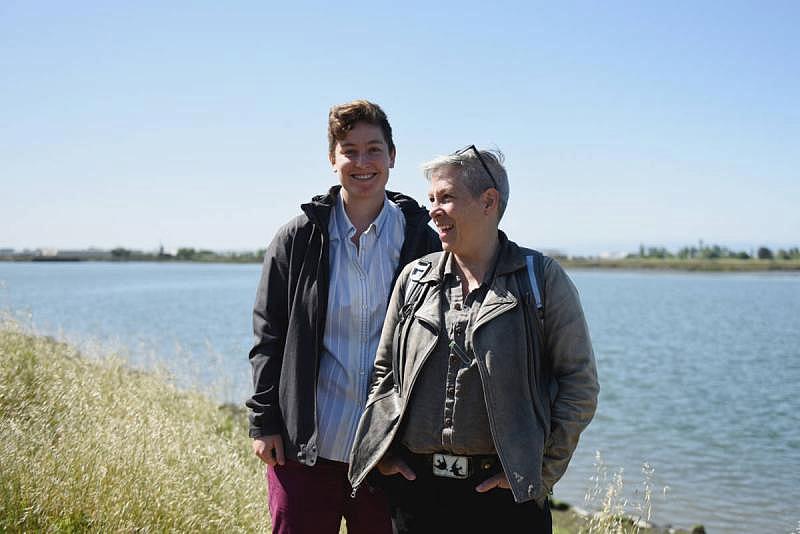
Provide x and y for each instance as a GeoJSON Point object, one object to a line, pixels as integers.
{"type": "Point", "coordinates": [318, 210]}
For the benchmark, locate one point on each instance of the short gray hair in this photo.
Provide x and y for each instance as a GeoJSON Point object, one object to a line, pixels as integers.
{"type": "Point", "coordinates": [473, 175]}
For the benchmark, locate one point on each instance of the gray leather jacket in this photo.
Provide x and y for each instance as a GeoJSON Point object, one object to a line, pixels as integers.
{"type": "Point", "coordinates": [537, 405]}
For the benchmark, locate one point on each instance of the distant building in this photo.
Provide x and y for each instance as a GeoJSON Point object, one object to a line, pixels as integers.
{"type": "Point", "coordinates": [615, 255]}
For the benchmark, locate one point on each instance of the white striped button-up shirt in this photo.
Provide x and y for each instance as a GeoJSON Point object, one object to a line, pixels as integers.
{"type": "Point", "coordinates": [360, 280]}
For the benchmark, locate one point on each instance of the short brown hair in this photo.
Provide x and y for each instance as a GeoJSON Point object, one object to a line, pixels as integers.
{"type": "Point", "coordinates": [344, 117]}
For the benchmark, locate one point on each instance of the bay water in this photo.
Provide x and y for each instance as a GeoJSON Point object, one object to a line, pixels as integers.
{"type": "Point", "coordinates": [700, 373]}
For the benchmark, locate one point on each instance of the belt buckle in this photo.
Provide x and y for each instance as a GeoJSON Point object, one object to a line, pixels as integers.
{"type": "Point", "coordinates": [446, 465]}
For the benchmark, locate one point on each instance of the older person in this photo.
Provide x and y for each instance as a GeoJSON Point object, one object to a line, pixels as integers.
{"type": "Point", "coordinates": [478, 394]}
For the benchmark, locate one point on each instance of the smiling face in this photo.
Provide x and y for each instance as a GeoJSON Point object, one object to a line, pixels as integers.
{"type": "Point", "coordinates": [465, 224]}
{"type": "Point", "coordinates": [362, 160]}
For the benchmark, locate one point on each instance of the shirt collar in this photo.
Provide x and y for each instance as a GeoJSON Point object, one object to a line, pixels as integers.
{"type": "Point", "coordinates": [344, 229]}
{"type": "Point", "coordinates": [510, 259]}
{"type": "Point", "coordinates": [450, 268]}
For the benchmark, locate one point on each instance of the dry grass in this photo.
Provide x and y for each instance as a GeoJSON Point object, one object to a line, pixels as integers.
{"type": "Point", "coordinates": [89, 444]}
{"type": "Point", "coordinates": [616, 513]}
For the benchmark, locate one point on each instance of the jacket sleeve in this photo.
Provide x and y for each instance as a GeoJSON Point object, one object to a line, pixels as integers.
{"type": "Point", "coordinates": [573, 368]}
{"type": "Point", "coordinates": [270, 323]}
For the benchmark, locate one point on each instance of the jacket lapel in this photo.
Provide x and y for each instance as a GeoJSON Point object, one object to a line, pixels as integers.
{"type": "Point", "coordinates": [428, 312]}
{"type": "Point", "coordinates": [498, 300]}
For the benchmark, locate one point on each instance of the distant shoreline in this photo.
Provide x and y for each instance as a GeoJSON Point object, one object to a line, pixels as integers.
{"type": "Point", "coordinates": [72, 259]}
{"type": "Point", "coordinates": [653, 264]}
{"type": "Point", "coordinates": [690, 265]}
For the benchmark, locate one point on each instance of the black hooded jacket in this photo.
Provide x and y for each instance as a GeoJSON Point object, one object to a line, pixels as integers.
{"type": "Point", "coordinates": [289, 319]}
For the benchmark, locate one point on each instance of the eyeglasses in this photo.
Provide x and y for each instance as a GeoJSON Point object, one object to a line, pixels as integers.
{"type": "Point", "coordinates": [477, 153]}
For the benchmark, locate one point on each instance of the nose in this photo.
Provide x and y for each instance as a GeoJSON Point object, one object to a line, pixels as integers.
{"type": "Point", "coordinates": [362, 159]}
{"type": "Point", "coordinates": [434, 210]}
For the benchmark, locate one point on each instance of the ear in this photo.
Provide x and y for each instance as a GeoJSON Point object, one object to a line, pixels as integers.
{"type": "Point", "coordinates": [490, 199]}
{"type": "Point", "coordinates": [391, 158]}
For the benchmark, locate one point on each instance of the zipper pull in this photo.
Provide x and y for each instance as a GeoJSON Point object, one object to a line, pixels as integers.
{"type": "Point", "coordinates": [355, 489]}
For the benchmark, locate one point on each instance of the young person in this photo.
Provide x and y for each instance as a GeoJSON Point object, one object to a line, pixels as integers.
{"type": "Point", "coordinates": [319, 309]}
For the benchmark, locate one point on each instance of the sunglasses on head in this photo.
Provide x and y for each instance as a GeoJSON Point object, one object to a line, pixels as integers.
{"type": "Point", "coordinates": [477, 153]}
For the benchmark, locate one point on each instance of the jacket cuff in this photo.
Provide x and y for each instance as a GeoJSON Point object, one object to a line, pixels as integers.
{"type": "Point", "coordinates": [260, 432]}
{"type": "Point", "coordinates": [264, 428]}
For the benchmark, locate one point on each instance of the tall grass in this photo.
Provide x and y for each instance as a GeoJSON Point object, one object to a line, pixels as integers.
{"type": "Point", "coordinates": [616, 513]}
{"type": "Point", "coordinates": [89, 444]}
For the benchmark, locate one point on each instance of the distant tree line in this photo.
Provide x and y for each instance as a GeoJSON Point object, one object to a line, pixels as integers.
{"type": "Point", "coordinates": [204, 255]}
{"type": "Point", "coordinates": [188, 254]}
{"type": "Point", "coordinates": [711, 252]}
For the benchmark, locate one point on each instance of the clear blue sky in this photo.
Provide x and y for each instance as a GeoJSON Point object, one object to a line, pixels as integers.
{"type": "Point", "coordinates": [204, 123]}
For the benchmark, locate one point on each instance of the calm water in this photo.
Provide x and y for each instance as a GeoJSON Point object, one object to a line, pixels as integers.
{"type": "Point", "coordinates": [699, 373]}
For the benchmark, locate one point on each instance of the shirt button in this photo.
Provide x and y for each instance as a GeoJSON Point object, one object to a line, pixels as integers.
{"type": "Point", "coordinates": [451, 391]}
{"type": "Point", "coordinates": [457, 306]}
{"type": "Point", "coordinates": [448, 421]}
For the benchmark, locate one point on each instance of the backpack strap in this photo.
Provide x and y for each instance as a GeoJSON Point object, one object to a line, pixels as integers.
{"type": "Point", "coordinates": [534, 327]}
{"type": "Point", "coordinates": [535, 265]}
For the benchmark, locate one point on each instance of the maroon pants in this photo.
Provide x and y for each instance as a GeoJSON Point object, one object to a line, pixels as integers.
{"type": "Point", "coordinates": [313, 500]}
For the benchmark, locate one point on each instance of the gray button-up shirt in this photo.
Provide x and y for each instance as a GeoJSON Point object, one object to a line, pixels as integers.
{"type": "Point", "coordinates": [447, 412]}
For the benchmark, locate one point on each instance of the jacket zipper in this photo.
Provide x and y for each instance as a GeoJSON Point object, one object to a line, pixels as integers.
{"type": "Point", "coordinates": [404, 333]}
{"type": "Point", "coordinates": [407, 314]}
{"type": "Point", "coordinates": [396, 356]}
{"type": "Point", "coordinates": [319, 331]}
{"type": "Point", "coordinates": [399, 345]}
